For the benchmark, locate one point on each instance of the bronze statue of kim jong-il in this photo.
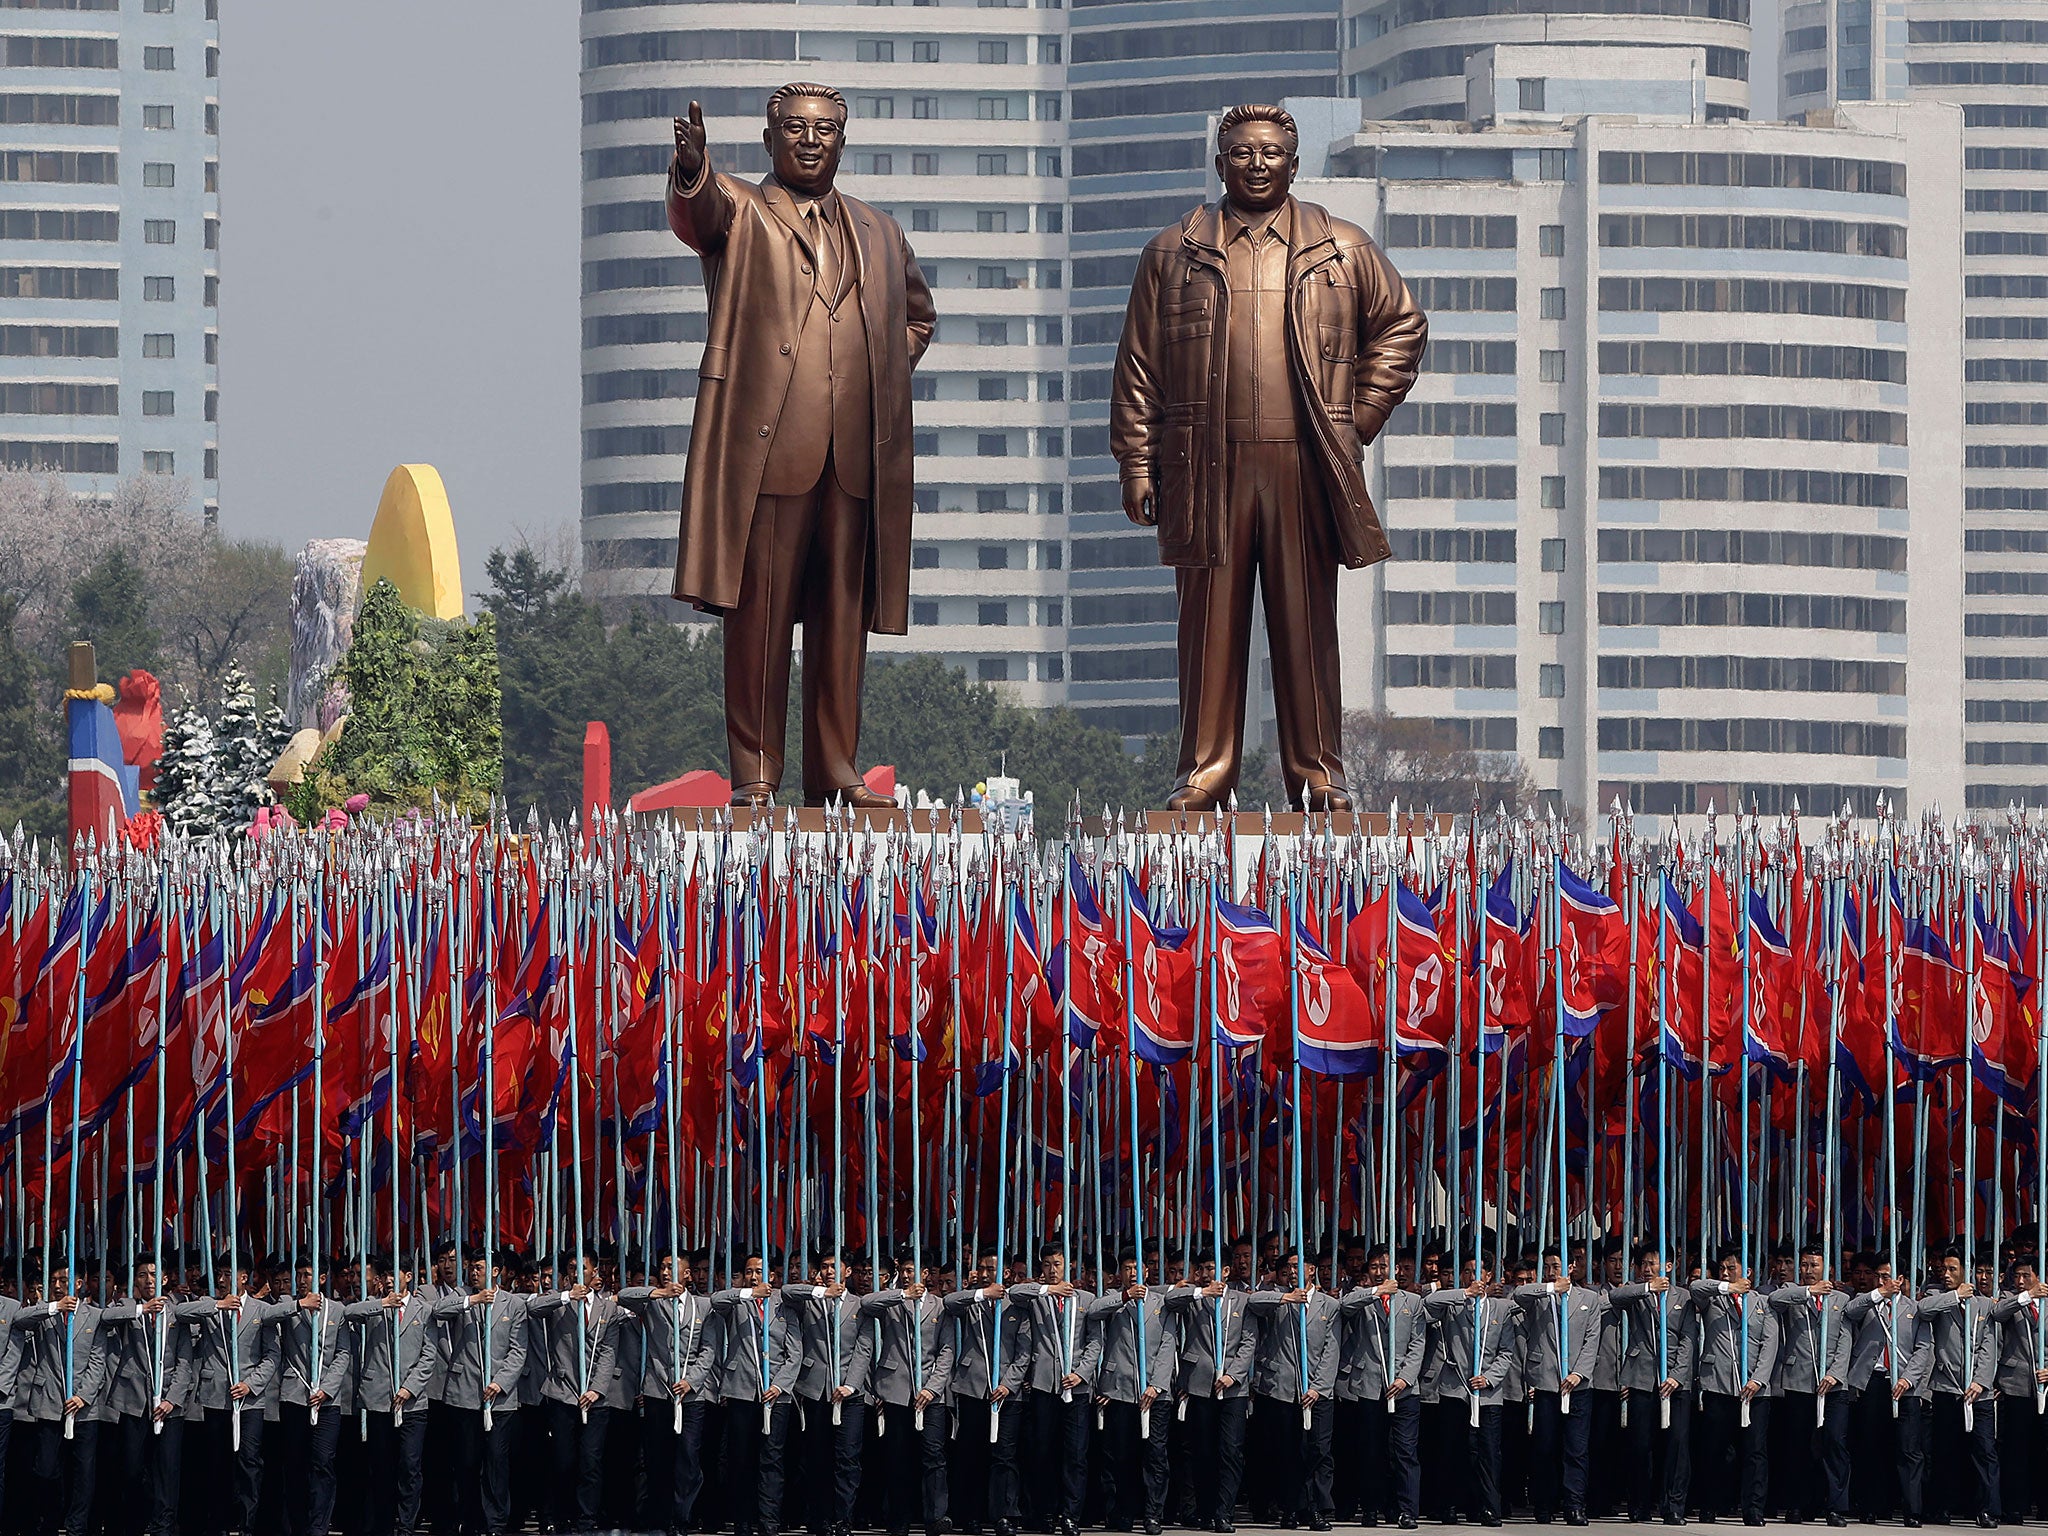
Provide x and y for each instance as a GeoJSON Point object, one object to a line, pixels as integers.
{"type": "Point", "coordinates": [796, 496]}
{"type": "Point", "coordinates": [1265, 344]}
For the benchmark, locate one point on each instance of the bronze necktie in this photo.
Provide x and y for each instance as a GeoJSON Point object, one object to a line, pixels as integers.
{"type": "Point", "coordinates": [828, 254]}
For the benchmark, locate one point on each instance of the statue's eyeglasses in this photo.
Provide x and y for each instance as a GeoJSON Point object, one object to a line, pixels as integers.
{"type": "Point", "coordinates": [1270, 154]}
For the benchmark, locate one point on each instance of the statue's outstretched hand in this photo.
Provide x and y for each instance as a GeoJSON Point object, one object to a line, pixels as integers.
{"type": "Point", "coordinates": [1141, 504]}
{"type": "Point", "coordinates": [690, 143]}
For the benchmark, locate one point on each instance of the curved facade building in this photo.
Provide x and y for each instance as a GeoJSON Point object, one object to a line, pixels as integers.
{"type": "Point", "coordinates": [1406, 58]}
{"type": "Point", "coordinates": [110, 226]}
{"type": "Point", "coordinates": [958, 129]}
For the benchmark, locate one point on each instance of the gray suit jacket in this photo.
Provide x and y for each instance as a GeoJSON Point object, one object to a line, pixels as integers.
{"type": "Point", "coordinates": [838, 1349]}
{"type": "Point", "coordinates": [419, 1349]}
{"type": "Point", "coordinates": [1803, 1320]}
{"type": "Point", "coordinates": [337, 1356]}
{"type": "Point", "coordinates": [467, 1375]}
{"type": "Point", "coordinates": [1725, 1320]}
{"type": "Point", "coordinates": [43, 1368]}
{"type": "Point", "coordinates": [1199, 1316]}
{"type": "Point", "coordinates": [1122, 1378]}
{"type": "Point", "coordinates": [1452, 1310]}
{"type": "Point", "coordinates": [2023, 1322]}
{"type": "Point", "coordinates": [1062, 1339]}
{"type": "Point", "coordinates": [231, 1349]}
{"type": "Point", "coordinates": [903, 1368]}
{"type": "Point", "coordinates": [1663, 1340]}
{"type": "Point", "coordinates": [1965, 1341]}
{"type": "Point", "coordinates": [740, 1376]}
{"type": "Point", "coordinates": [973, 1320]}
{"type": "Point", "coordinates": [684, 1327]}
{"type": "Point", "coordinates": [582, 1343]}
{"type": "Point", "coordinates": [1391, 1340]}
{"type": "Point", "coordinates": [1580, 1311]}
{"type": "Point", "coordinates": [1286, 1334]}
{"type": "Point", "coordinates": [136, 1342]}
{"type": "Point", "coordinates": [1890, 1333]}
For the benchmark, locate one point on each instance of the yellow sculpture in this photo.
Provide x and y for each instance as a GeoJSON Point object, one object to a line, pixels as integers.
{"type": "Point", "coordinates": [413, 543]}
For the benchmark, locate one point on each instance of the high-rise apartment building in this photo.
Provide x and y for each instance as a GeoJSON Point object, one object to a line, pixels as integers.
{"type": "Point", "coordinates": [1147, 81]}
{"type": "Point", "coordinates": [1659, 523]}
{"type": "Point", "coordinates": [109, 241]}
{"type": "Point", "coordinates": [1989, 58]}
{"type": "Point", "coordinates": [958, 129]}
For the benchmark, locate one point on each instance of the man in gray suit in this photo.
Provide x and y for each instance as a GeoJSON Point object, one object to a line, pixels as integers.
{"type": "Point", "coordinates": [486, 1357]}
{"type": "Point", "coordinates": [1657, 1375]}
{"type": "Point", "coordinates": [832, 1387]}
{"type": "Point", "coordinates": [1475, 1325]}
{"type": "Point", "coordinates": [981, 1477]}
{"type": "Point", "coordinates": [2022, 1383]}
{"type": "Point", "coordinates": [1965, 1370]}
{"type": "Point", "coordinates": [763, 1358]}
{"type": "Point", "coordinates": [912, 1379]}
{"type": "Point", "coordinates": [1737, 1365]}
{"type": "Point", "coordinates": [685, 1338]}
{"type": "Point", "coordinates": [1561, 1321]}
{"type": "Point", "coordinates": [1889, 1368]}
{"type": "Point", "coordinates": [1219, 1346]}
{"type": "Point", "coordinates": [237, 1388]}
{"type": "Point", "coordinates": [579, 1325]}
{"type": "Point", "coordinates": [1382, 1372]}
{"type": "Point", "coordinates": [1295, 1372]}
{"type": "Point", "coordinates": [1132, 1391]}
{"type": "Point", "coordinates": [1812, 1413]}
{"type": "Point", "coordinates": [63, 1377]}
{"type": "Point", "coordinates": [1065, 1351]}
{"type": "Point", "coordinates": [315, 1392]}
{"type": "Point", "coordinates": [151, 1375]}
{"type": "Point", "coordinates": [397, 1355]}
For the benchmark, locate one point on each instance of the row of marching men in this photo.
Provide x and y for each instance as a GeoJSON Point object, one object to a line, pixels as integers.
{"type": "Point", "coordinates": [275, 1401]}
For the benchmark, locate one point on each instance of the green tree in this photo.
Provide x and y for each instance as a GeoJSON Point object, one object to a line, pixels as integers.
{"type": "Point", "coordinates": [110, 607]}
{"type": "Point", "coordinates": [31, 756]}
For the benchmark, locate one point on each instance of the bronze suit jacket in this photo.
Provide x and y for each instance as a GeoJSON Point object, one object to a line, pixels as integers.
{"type": "Point", "coordinates": [755, 255]}
{"type": "Point", "coordinates": [1355, 340]}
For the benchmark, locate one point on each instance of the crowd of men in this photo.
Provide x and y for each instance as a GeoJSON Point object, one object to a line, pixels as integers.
{"type": "Point", "coordinates": [263, 1397]}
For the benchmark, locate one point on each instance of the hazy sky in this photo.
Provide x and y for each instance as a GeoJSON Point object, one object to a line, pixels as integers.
{"type": "Point", "coordinates": [399, 234]}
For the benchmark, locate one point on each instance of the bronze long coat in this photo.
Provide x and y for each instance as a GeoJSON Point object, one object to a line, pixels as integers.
{"type": "Point", "coordinates": [755, 255]}
{"type": "Point", "coordinates": [1354, 340]}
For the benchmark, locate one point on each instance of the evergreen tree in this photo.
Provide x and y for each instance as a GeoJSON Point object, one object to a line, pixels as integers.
{"type": "Point", "coordinates": [31, 760]}
{"type": "Point", "coordinates": [188, 777]}
{"type": "Point", "coordinates": [241, 753]}
{"type": "Point", "coordinates": [110, 607]}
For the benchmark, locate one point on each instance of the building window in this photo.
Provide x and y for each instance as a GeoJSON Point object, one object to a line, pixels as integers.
{"type": "Point", "coordinates": [1052, 668]}
{"type": "Point", "coordinates": [992, 50]}
{"type": "Point", "coordinates": [1550, 304]}
{"type": "Point", "coordinates": [159, 463]}
{"type": "Point", "coordinates": [992, 333]}
{"type": "Point", "coordinates": [1550, 240]}
{"type": "Point", "coordinates": [1552, 550]}
{"type": "Point", "coordinates": [993, 277]}
{"type": "Point", "coordinates": [924, 445]}
{"type": "Point", "coordinates": [925, 614]}
{"type": "Point", "coordinates": [993, 557]}
{"type": "Point", "coordinates": [992, 498]}
{"type": "Point", "coordinates": [1051, 554]}
{"type": "Point", "coordinates": [876, 165]}
{"type": "Point", "coordinates": [1049, 49]}
{"type": "Point", "coordinates": [924, 106]}
{"type": "Point", "coordinates": [992, 445]}
{"type": "Point", "coordinates": [1550, 164]}
{"type": "Point", "coordinates": [1052, 443]}
{"type": "Point", "coordinates": [992, 165]}
{"type": "Point", "coordinates": [1052, 613]}
{"type": "Point", "coordinates": [874, 50]}
{"type": "Point", "coordinates": [1050, 109]}
{"type": "Point", "coordinates": [924, 387]}
{"type": "Point", "coordinates": [992, 669]}
{"type": "Point", "coordinates": [924, 557]}
{"type": "Point", "coordinates": [158, 7]}
{"type": "Point", "coordinates": [1049, 163]}
{"type": "Point", "coordinates": [1550, 493]}
{"type": "Point", "coordinates": [992, 389]}
{"type": "Point", "coordinates": [1051, 274]}
{"type": "Point", "coordinates": [992, 221]}
{"type": "Point", "coordinates": [1052, 218]}
{"type": "Point", "coordinates": [1051, 332]}
{"type": "Point", "coordinates": [159, 173]}
{"type": "Point", "coordinates": [1550, 680]}
{"type": "Point", "coordinates": [160, 290]}
{"type": "Point", "coordinates": [212, 407]}
{"type": "Point", "coordinates": [874, 106]}
{"type": "Point", "coordinates": [1550, 367]}
{"type": "Point", "coordinates": [1550, 618]}
{"type": "Point", "coordinates": [159, 117]}
{"type": "Point", "coordinates": [1052, 386]}
{"type": "Point", "coordinates": [158, 344]}
{"type": "Point", "coordinates": [159, 58]}
{"type": "Point", "coordinates": [159, 231]}
{"type": "Point", "coordinates": [993, 614]}
{"type": "Point", "coordinates": [921, 221]}
{"type": "Point", "coordinates": [1550, 428]}
{"type": "Point", "coordinates": [925, 51]}
{"type": "Point", "coordinates": [924, 165]}
{"type": "Point", "coordinates": [1550, 741]}
{"type": "Point", "coordinates": [1532, 95]}
{"type": "Point", "coordinates": [159, 402]}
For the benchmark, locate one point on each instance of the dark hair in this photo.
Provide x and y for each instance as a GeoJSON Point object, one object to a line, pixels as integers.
{"type": "Point", "coordinates": [1237, 117]}
{"type": "Point", "coordinates": [796, 89]}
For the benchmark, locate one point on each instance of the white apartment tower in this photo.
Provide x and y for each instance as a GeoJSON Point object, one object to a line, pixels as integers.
{"type": "Point", "coordinates": [109, 241]}
{"type": "Point", "coordinates": [1990, 59]}
{"type": "Point", "coordinates": [958, 130]}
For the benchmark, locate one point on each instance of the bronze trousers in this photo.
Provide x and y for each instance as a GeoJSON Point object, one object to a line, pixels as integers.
{"type": "Point", "coordinates": [807, 562]}
{"type": "Point", "coordinates": [1277, 534]}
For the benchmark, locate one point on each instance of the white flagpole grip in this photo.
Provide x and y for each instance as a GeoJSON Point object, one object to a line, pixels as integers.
{"type": "Point", "coordinates": [917, 1420]}
{"type": "Point", "coordinates": [1745, 1413]}
{"type": "Point", "coordinates": [1820, 1410]}
{"type": "Point", "coordinates": [69, 1424]}
{"type": "Point", "coordinates": [1144, 1423]}
{"type": "Point", "coordinates": [398, 1415]}
{"type": "Point", "coordinates": [995, 1413]}
{"type": "Point", "coordinates": [1969, 1418]}
{"type": "Point", "coordinates": [1564, 1401]}
{"type": "Point", "coordinates": [835, 1411]}
{"type": "Point", "coordinates": [312, 1413]}
{"type": "Point", "coordinates": [487, 1418]}
{"type": "Point", "coordinates": [1664, 1415]}
{"type": "Point", "coordinates": [1624, 1412]}
{"type": "Point", "coordinates": [1474, 1398]}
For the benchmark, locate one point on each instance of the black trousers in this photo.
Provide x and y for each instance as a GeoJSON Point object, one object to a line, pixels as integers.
{"type": "Point", "coordinates": [2022, 1447]}
{"type": "Point", "coordinates": [1659, 1476]}
{"type": "Point", "coordinates": [1216, 1430]}
{"type": "Point", "coordinates": [1006, 1467]}
{"type": "Point", "coordinates": [576, 1454]}
{"type": "Point", "coordinates": [1810, 1460]}
{"type": "Point", "coordinates": [1481, 1468]}
{"type": "Point", "coordinates": [916, 1459]}
{"type": "Point", "coordinates": [1134, 1466]}
{"type": "Point", "coordinates": [1304, 1466]}
{"type": "Point", "coordinates": [305, 1451]}
{"type": "Point", "coordinates": [1733, 1456]}
{"type": "Point", "coordinates": [440, 1496]}
{"type": "Point", "coordinates": [1392, 1459]}
{"type": "Point", "coordinates": [1912, 1443]}
{"type": "Point", "coordinates": [1444, 1423]}
{"type": "Point", "coordinates": [1604, 1477]}
{"type": "Point", "coordinates": [1557, 1454]}
{"type": "Point", "coordinates": [753, 1464]}
{"type": "Point", "coordinates": [1057, 1451]}
{"type": "Point", "coordinates": [968, 1464]}
{"type": "Point", "coordinates": [1954, 1492]}
{"type": "Point", "coordinates": [393, 1457]}
{"type": "Point", "coordinates": [672, 1462]}
{"type": "Point", "coordinates": [65, 1472]}
{"type": "Point", "coordinates": [233, 1479]}
{"type": "Point", "coordinates": [483, 1467]}
{"type": "Point", "coordinates": [830, 1456]}
{"type": "Point", "coordinates": [151, 1467]}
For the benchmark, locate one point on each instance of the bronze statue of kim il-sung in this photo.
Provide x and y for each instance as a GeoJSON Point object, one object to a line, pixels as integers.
{"type": "Point", "coordinates": [1265, 344]}
{"type": "Point", "coordinates": [796, 497]}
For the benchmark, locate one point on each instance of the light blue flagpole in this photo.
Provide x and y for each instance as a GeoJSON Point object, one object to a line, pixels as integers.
{"type": "Point", "coordinates": [1664, 1255]}
{"type": "Point", "coordinates": [1738, 881]}
{"type": "Point", "coordinates": [1557, 1105]}
{"type": "Point", "coordinates": [85, 938]}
